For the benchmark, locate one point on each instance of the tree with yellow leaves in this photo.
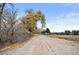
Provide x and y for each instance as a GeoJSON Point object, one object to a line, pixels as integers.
{"type": "Point", "coordinates": [30, 20]}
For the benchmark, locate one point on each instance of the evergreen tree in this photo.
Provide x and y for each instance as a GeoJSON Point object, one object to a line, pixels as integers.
{"type": "Point", "coordinates": [47, 30]}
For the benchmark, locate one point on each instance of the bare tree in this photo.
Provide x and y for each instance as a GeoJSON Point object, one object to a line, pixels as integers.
{"type": "Point", "coordinates": [2, 6]}
{"type": "Point", "coordinates": [8, 24]}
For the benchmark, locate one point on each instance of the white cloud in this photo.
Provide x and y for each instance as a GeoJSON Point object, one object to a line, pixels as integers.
{"type": "Point", "coordinates": [64, 21]}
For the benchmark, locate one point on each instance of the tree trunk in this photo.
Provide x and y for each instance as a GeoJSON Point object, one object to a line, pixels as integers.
{"type": "Point", "coordinates": [1, 12]}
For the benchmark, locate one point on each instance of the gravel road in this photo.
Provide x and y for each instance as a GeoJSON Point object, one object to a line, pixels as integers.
{"type": "Point", "coordinates": [44, 45]}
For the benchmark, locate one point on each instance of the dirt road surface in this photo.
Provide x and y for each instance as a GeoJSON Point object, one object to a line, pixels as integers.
{"type": "Point", "coordinates": [44, 45]}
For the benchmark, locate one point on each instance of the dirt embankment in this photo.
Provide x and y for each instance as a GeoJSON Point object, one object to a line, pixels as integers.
{"type": "Point", "coordinates": [74, 38]}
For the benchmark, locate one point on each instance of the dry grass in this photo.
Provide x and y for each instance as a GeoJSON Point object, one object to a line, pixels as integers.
{"type": "Point", "coordinates": [74, 38]}
{"type": "Point", "coordinates": [9, 46]}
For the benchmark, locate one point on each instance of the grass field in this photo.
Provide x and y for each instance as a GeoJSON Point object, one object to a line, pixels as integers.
{"type": "Point", "coordinates": [74, 38]}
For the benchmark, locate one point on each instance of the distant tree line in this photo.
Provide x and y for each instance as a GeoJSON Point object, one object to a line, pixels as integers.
{"type": "Point", "coordinates": [67, 32]}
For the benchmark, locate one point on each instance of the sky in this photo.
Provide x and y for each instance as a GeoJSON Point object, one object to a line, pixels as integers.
{"type": "Point", "coordinates": [59, 16]}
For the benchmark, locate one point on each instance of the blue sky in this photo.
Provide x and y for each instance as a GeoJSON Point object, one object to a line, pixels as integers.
{"type": "Point", "coordinates": [59, 17]}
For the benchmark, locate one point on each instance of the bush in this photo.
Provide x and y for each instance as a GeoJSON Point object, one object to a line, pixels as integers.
{"type": "Point", "coordinates": [75, 32]}
{"type": "Point", "coordinates": [67, 32]}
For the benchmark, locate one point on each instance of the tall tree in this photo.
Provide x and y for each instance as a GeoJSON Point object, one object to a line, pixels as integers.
{"type": "Point", "coordinates": [40, 16]}
{"type": "Point", "coordinates": [31, 20]}
{"type": "Point", "coordinates": [1, 11]}
{"type": "Point", "coordinates": [2, 6]}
